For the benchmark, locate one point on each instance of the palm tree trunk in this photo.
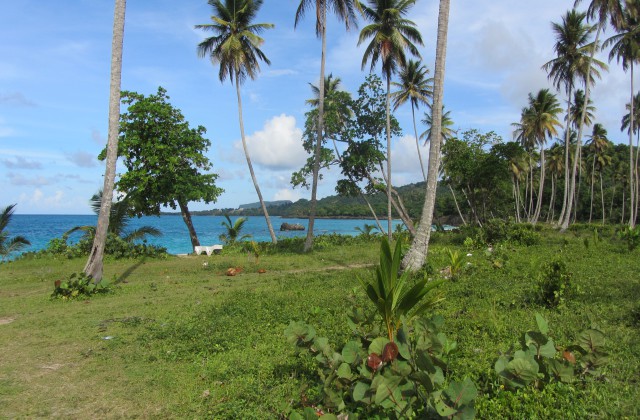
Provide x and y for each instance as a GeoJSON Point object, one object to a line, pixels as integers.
{"type": "Point", "coordinates": [572, 190]}
{"type": "Point", "coordinates": [417, 254]}
{"type": "Point", "coordinates": [536, 216]}
{"type": "Point", "coordinates": [415, 131]}
{"type": "Point", "coordinates": [308, 243]}
{"type": "Point", "coordinates": [389, 233]}
{"type": "Point", "coordinates": [397, 204]}
{"type": "Point", "coordinates": [93, 267]}
{"type": "Point", "coordinates": [186, 216]}
{"type": "Point", "coordinates": [455, 201]}
{"type": "Point", "coordinates": [552, 202]}
{"type": "Point", "coordinates": [632, 211]}
{"type": "Point", "coordinates": [567, 169]}
{"type": "Point", "coordinates": [593, 172]}
{"type": "Point", "coordinates": [637, 180]}
{"type": "Point", "coordinates": [246, 154]}
{"type": "Point", "coordinates": [602, 198]}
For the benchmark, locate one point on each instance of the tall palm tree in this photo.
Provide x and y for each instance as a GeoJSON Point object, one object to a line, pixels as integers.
{"type": "Point", "coordinates": [625, 47]}
{"type": "Point", "coordinates": [597, 147]}
{"type": "Point", "coordinates": [446, 130]}
{"type": "Point", "coordinates": [541, 120]}
{"type": "Point", "coordinates": [627, 120]}
{"type": "Point", "coordinates": [345, 11]}
{"type": "Point", "coordinates": [555, 166]}
{"type": "Point", "coordinates": [576, 108]}
{"type": "Point", "coordinates": [391, 35]}
{"type": "Point", "coordinates": [416, 87]}
{"type": "Point", "coordinates": [93, 267]}
{"type": "Point", "coordinates": [572, 64]}
{"type": "Point", "coordinates": [417, 254]}
{"type": "Point", "coordinates": [235, 47]}
{"type": "Point", "coordinates": [7, 244]}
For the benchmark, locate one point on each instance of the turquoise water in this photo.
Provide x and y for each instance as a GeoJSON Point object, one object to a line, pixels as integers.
{"type": "Point", "coordinates": [40, 229]}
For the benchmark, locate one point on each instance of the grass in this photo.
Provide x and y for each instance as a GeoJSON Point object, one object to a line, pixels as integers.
{"type": "Point", "coordinates": [178, 338]}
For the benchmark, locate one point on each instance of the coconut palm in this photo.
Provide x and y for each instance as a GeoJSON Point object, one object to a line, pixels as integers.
{"type": "Point", "coordinates": [555, 166]}
{"type": "Point", "coordinates": [417, 254]}
{"type": "Point", "coordinates": [625, 47]}
{"type": "Point", "coordinates": [391, 35]}
{"type": "Point", "coordinates": [7, 244]}
{"type": "Point", "coordinates": [573, 64]}
{"type": "Point", "coordinates": [118, 221]}
{"type": "Point", "coordinates": [446, 130]}
{"type": "Point", "coordinates": [93, 267]}
{"type": "Point", "coordinates": [541, 120]}
{"type": "Point", "coordinates": [634, 119]}
{"type": "Point", "coordinates": [345, 11]}
{"type": "Point", "coordinates": [416, 87]}
{"type": "Point", "coordinates": [235, 47]}
{"type": "Point", "coordinates": [575, 110]}
{"type": "Point", "coordinates": [597, 147]}
{"type": "Point", "coordinates": [234, 229]}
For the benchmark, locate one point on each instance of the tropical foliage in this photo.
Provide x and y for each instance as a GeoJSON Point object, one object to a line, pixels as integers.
{"type": "Point", "coordinates": [9, 244]}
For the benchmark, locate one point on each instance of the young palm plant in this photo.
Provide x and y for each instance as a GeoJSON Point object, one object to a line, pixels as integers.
{"type": "Point", "coordinates": [233, 230]}
{"type": "Point", "coordinates": [9, 245]}
{"type": "Point", "coordinates": [391, 293]}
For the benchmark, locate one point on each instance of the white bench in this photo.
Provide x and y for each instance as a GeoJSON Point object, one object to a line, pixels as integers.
{"type": "Point", "coordinates": [208, 249]}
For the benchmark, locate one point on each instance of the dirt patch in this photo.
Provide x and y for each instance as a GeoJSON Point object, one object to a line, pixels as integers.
{"type": "Point", "coordinates": [7, 320]}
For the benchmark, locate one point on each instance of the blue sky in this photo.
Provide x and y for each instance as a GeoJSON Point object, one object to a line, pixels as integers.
{"type": "Point", "coordinates": [54, 89]}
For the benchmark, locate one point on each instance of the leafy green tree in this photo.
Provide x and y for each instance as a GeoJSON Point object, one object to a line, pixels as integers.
{"type": "Point", "coordinates": [414, 87]}
{"type": "Point", "coordinates": [345, 11]}
{"type": "Point", "coordinates": [118, 221]}
{"type": "Point", "coordinates": [391, 35]}
{"type": "Point", "coordinates": [164, 158]}
{"type": "Point", "coordinates": [235, 47]}
{"type": "Point", "coordinates": [7, 244]}
{"type": "Point", "coordinates": [234, 230]}
{"type": "Point", "coordinates": [93, 267]}
{"type": "Point", "coordinates": [417, 254]}
{"type": "Point", "coordinates": [572, 64]}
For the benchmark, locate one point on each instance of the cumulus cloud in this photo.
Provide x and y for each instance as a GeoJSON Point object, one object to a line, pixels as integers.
{"type": "Point", "coordinates": [82, 159]}
{"type": "Point", "coordinates": [278, 145]}
{"type": "Point", "coordinates": [287, 194]}
{"type": "Point", "coordinates": [16, 99]}
{"type": "Point", "coordinates": [40, 199]}
{"type": "Point", "coordinates": [404, 159]}
{"type": "Point", "coordinates": [20, 162]}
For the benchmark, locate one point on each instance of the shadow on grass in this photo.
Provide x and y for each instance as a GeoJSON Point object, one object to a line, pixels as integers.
{"type": "Point", "coordinates": [123, 278]}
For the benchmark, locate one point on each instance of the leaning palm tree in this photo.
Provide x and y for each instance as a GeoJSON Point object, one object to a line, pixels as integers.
{"type": "Point", "coordinates": [235, 47]}
{"type": "Point", "coordinates": [391, 35]}
{"type": "Point", "coordinates": [415, 87]}
{"type": "Point", "coordinates": [417, 254]}
{"type": "Point", "coordinates": [541, 120]}
{"type": "Point", "coordinates": [572, 64]}
{"type": "Point", "coordinates": [7, 244]}
{"type": "Point", "coordinates": [345, 11]}
{"type": "Point", "coordinates": [93, 268]}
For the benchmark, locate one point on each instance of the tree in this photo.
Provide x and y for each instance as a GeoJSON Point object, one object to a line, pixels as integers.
{"type": "Point", "coordinates": [233, 230]}
{"type": "Point", "coordinates": [573, 63]}
{"type": "Point", "coordinates": [555, 166]}
{"type": "Point", "coordinates": [344, 10]}
{"type": "Point", "coordinates": [445, 126]}
{"type": "Point", "coordinates": [235, 47]}
{"type": "Point", "coordinates": [417, 254]}
{"type": "Point", "coordinates": [391, 34]}
{"type": "Point", "coordinates": [7, 244]}
{"type": "Point", "coordinates": [597, 148]}
{"type": "Point", "coordinates": [164, 158]}
{"type": "Point", "coordinates": [118, 220]}
{"type": "Point", "coordinates": [93, 267]}
{"type": "Point", "coordinates": [414, 87]}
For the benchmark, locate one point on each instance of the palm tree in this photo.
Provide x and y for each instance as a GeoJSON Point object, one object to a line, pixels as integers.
{"type": "Point", "coordinates": [555, 166]}
{"type": "Point", "coordinates": [391, 34]}
{"type": "Point", "coordinates": [93, 267]}
{"type": "Point", "coordinates": [233, 230]}
{"type": "Point", "coordinates": [345, 11]}
{"type": "Point", "coordinates": [415, 87]}
{"type": "Point", "coordinates": [540, 120]}
{"type": "Point", "coordinates": [627, 120]}
{"type": "Point", "coordinates": [9, 245]}
{"type": "Point", "coordinates": [625, 47]}
{"type": "Point", "coordinates": [236, 48]}
{"type": "Point", "coordinates": [597, 148]}
{"type": "Point", "coordinates": [417, 254]}
{"type": "Point", "coordinates": [573, 63]}
{"type": "Point", "coordinates": [446, 130]}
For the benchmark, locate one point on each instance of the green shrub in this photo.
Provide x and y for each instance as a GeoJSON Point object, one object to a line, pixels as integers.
{"type": "Point", "coordinates": [78, 286]}
{"type": "Point", "coordinates": [554, 284]}
{"type": "Point", "coordinates": [115, 246]}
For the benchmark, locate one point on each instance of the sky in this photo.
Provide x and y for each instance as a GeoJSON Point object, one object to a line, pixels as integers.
{"type": "Point", "coordinates": [54, 89]}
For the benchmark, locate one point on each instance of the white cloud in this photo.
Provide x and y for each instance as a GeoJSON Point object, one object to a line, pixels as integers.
{"type": "Point", "coordinates": [404, 159]}
{"type": "Point", "coordinates": [20, 162]}
{"type": "Point", "coordinates": [278, 145]}
{"type": "Point", "coordinates": [83, 159]}
{"type": "Point", "coordinates": [287, 194]}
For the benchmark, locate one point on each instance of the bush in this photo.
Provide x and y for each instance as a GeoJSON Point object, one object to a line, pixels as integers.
{"type": "Point", "coordinates": [114, 246]}
{"type": "Point", "coordinates": [554, 284]}
{"type": "Point", "coordinates": [78, 285]}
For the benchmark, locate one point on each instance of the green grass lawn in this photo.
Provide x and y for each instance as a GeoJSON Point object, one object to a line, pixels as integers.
{"type": "Point", "coordinates": [178, 338]}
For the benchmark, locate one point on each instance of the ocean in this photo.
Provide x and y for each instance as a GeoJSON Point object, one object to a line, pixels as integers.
{"type": "Point", "coordinates": [40, 229]}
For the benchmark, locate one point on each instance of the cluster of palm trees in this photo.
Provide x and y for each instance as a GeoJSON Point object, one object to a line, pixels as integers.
{"type": "Point", "coordinates": [575, 66]}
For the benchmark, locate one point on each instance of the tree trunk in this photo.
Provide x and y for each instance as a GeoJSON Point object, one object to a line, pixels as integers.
{"type": "Point", "coordinates": [246, 154]}
{"type": "Point", "coordinates": [93, 267]}
{"type": "Point", "coordinates": [308, 243]}
{"type": "Point", "coordinates": [186, 216]}
{"type": "Point", "coordinates": [632, 189]}
{"type": "Point", "coordinates": [536, 215]}
{"type": "Point", "coordinates": [572, 190]}
{"type": "Point", "coordinates": [567, 169]}
{"type": "Point", "coordinates": [455, 200]}
{"type": "Point", "coordinates": [602, 198]}
{"type": "Point", "coordinates": [417, 254]}
{"type": "Point", "coordinates": [389, 232]}
{"type": "Point", "coordinates": [415, 131]}
{"type": "Point", "coordinates": [552, 201]}
{"type": "Point", "coordinates": [593, 172]}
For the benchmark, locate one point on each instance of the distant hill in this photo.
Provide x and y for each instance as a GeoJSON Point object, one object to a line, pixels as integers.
{"type": "Point", "coordinates": [267, 203]}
